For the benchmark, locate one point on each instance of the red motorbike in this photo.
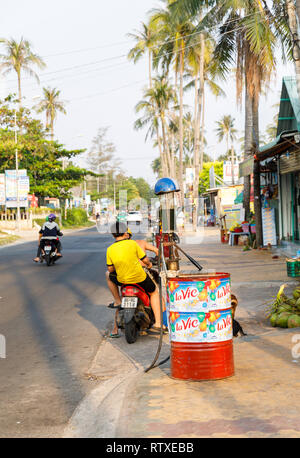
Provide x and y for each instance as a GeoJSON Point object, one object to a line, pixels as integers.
{"type": "Point", "coordinates": [135, 312]}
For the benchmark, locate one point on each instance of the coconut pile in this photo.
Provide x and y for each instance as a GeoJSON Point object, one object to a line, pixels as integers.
{"type": "Point", "coordinates": [284, 312]}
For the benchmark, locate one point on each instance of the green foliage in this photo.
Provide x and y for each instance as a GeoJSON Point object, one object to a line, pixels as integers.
{"type": "Point", "coordinates": [144, 189]}
{"type": "Point", "coordinates": [204, 175]}
{"type": "Point", "coordinates": [75, 217]}
{"type": "Point", "coordinates": [40, 157]}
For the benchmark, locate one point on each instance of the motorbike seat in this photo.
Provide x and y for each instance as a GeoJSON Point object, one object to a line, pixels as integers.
{"type": "Point", "coordinates": [128, 290]}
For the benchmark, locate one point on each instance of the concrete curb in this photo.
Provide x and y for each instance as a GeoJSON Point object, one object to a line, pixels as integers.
{"type": "Point", "coordinates": [98, 413]}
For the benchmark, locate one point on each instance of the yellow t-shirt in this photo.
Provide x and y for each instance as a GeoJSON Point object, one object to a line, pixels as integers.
{"type": "Point", "coordinates": [125, 256]}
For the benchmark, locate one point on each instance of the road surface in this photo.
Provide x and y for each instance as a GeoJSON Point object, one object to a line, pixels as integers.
{"type": "Point", "coordinates": [53, 319]}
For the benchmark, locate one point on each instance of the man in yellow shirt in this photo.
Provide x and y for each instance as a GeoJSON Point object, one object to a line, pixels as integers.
{"type": "Point", "coordinates": [123, 262]}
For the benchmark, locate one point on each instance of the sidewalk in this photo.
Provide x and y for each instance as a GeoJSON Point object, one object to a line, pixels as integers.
{"type": "Point", "coordinates": [260, 400]}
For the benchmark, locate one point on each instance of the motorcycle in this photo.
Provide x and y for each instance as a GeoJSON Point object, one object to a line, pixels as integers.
{"type": "Point", "coordinates": [135, 312]}
{"type": "Point", "coordinates": [50, 251]}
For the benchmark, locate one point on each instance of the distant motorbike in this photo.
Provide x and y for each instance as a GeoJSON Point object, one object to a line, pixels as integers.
{"type": "Point", "coordinates": [135, 312]}
{"type": "Point", "coordinates": [50, 250]}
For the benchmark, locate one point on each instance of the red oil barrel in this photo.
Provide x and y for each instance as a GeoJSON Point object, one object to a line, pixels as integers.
{"type": "Point", "coordinates": [200, 327]}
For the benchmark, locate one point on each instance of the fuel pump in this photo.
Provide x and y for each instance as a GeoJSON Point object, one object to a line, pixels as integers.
{"type": "Point", "coordinates": [165, 188]}
{"type": "Point", "coordinates": [167, 243]}
{"type": "Point", "coordinates": [198, 305]}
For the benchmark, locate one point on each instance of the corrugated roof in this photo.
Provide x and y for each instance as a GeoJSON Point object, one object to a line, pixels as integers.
{"type": "Point", "coordinates": [289, 109]}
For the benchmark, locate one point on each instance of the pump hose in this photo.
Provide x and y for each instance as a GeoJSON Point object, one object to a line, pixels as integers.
{"type": "Point", "coordinates": [160, 261]}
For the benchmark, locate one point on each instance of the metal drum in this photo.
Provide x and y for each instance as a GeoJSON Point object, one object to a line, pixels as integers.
{"type": "Point", "coordinates": [200, 327]}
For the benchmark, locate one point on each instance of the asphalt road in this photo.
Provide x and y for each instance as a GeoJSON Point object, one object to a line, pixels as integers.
{"type": "Point", "coordinates": [53, 319]}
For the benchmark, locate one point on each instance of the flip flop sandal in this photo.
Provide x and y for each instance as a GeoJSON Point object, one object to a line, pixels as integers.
{"type": "Point", "coordinates": [156, 331]}
{"type": "Point", "coordinates": [114, 336]}
{"type": "Point", "coordinates": [113, 306]}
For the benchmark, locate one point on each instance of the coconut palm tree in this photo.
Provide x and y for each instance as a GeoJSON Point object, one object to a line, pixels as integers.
{"type": "Point", "coordinates": [172, 32]}
{"type": "Point", "coordinates": [51, 105]}
{"type": "Point", "coordinates": [145, 41]}
{"type": "Point", "coordinates": [155, 105]}
{"type": "Point", "coordinates": [19, 57]}
{"type": "Point", "coordinates": [225, 129]}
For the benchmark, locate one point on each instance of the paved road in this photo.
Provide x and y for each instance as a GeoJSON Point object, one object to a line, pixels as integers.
{"type": "Point", "coordinates": [53, 320]}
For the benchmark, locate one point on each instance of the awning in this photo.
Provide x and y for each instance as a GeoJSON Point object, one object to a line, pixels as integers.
{"type": "Point", "coordinates": [286, 141]}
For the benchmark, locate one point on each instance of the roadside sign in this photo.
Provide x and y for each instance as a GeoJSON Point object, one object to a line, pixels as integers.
{"type": "Point", "coordinates": [2, 189]}
{"type": "Point", "coordinates": [11, 188]}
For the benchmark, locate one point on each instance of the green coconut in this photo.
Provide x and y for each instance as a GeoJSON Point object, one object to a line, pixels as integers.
{"type": "Point", "coordinates": [282, 319]}
{"type": "Point", "coordinates": [294, 321]}
{"type": "Point", "coordinates": [284, 308]}
{"type": "Point", "coordinates": [297, 303]}
{"type": "Point", "coordinates": [296, 293]}
{"type": "Point", "coordinates": [273, 319]}
{"type": "Point", "coordinates": [292, 302]}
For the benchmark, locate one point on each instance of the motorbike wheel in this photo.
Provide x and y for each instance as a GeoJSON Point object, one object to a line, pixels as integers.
{"type": "Point", "coordinates": [131, 332]}
{"type": "Point", "coordinates": [48, 259]}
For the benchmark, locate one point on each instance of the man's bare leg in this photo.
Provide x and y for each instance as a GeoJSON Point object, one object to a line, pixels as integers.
{"type": "Point", "coordinates": [154, 301]}
{"type": "Point", "coordinates": [117, 300]}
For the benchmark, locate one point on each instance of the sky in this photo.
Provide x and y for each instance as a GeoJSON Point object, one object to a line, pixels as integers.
{"type": "Point", "coordinates": [85, 45]}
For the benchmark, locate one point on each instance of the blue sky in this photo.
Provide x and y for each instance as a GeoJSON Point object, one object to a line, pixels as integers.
{"type": "Point", "coordinates": [84, 45]}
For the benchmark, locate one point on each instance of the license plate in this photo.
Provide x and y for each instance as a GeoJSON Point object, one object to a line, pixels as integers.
{"type": "Point", "coordinates": [129, 302]}
{"type": "Point", "coordinates": [48, 248]}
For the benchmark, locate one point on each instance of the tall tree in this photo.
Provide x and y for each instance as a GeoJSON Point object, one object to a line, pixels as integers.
{"type": "Point", "coordinates": [19, 57]}
{"type": "Point", "coordinates": [173, 32]}
{"type": "Point", "coordinates": [51, 105]}
{"type": "Point", "coordinates": [101, 158]}
{"type": "Point", "coordinates": [155, 105]}
{"type": "Point", "coordinates": [225, 129]}
{"type": "Point", "coordinates": [145, 41]}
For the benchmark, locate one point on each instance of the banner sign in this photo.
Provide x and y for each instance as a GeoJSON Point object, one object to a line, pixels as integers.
{"type": "Point", "coordinates": [2, 189]}
{"type": "Point", "coordinates": [198, 327]}
{"type": "Point", "coordinates": [11, 188]}
{"type": "Point", "coordinates": [199, 296]}
{"type": "Point", "coordinates": [227, 168]}
{"type": "Point", "coordinates": [269, 226]}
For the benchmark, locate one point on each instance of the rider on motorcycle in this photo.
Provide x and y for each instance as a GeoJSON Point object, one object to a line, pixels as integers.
{"type": "Point", "coordinates": [51, 231]}
{"type": "Point", "coordinates": [123, 263]}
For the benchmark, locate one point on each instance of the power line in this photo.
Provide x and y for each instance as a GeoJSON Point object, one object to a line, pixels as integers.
{"type": "Point", "coordinates": [125, 55]}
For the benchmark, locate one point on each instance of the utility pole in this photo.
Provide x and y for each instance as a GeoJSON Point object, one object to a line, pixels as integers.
{"type": "Point", "coordinates": [17, 174]}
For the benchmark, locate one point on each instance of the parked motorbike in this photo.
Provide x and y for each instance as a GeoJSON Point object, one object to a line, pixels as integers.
{"type": "Point", "coordinates": [135, 312]}
{"type": "Point", "coordinates": [50, 251]}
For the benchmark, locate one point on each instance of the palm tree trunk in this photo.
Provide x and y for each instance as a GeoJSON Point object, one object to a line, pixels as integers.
{"type": "Point", "coordinates": [202, 133]}
{"type": "Point", "coordinates": [256, 172]}
{"type": "Point", "coordinates": [52, 129]}
{"type": "Point", "coordinates": [198, 153]}
{"type": "Point", "coordinates": [247, 148]}
{"type": "Point", "coordinates": [166, 148]}
{"type": "Point", "coordinates": [150, 68]}
{"type": "Point", "coordinates": [19, 89]}
{"type": "Point", "coordinates": [181, 126]}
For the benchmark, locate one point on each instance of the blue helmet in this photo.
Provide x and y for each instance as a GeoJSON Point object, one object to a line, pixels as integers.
{"type": "Point", "coordinates": [165, 185]}
{"type": "Point", "coordinates": [51, 217]}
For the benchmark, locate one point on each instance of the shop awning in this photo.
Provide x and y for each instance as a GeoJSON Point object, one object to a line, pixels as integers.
{"type": "Point", "coordinates": [286, 141]}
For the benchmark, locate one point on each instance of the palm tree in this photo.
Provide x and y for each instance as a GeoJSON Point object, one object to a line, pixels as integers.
{"type": "Point", "coordinates": [225, 129]}
{"type": "Point", "coordinates": [19, 57]}
{"type": "Point", "coordinates": [51, 105]}
{"type": "Point", "coordinates": [155, 105]}
{"type": "Point", "coordinates": [145, 41]}
{"type": "Point", "coordinates": [173, 32]}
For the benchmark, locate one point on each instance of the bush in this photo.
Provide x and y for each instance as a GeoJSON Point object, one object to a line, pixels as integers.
{"type": "Point", "coordinates": [75, 217]}
{"type": "Point", "coordinates": [39, 221]}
